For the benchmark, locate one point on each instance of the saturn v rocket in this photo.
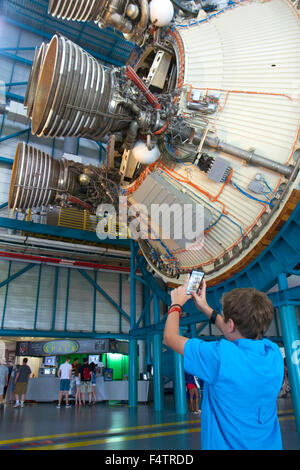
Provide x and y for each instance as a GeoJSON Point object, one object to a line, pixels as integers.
{"type": "Point", "coordinates": [205, 113]}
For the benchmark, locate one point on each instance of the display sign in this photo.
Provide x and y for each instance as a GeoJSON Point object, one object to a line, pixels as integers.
{"type": "Point", "coordinates": [62, 347]}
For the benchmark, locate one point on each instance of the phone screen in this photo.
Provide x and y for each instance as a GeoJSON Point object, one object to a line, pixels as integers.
{"type": "Point", "coordinates": [195, 282]}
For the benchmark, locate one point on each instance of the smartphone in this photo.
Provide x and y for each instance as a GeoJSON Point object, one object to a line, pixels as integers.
{"type": "Point", "coordinates": [195, 281]}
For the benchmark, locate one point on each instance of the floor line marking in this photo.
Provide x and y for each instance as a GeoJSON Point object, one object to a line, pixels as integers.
{"type": "Point", "coordinates": [98, 431]}
{"type": "Point", "coordinates": [283, 412]}
{"type": "Point", "coordinates": [284, 418]}
{"type": "Point", "coordinates": [116, 430]}
{"type": "Point", "coordinates": [110, 440]}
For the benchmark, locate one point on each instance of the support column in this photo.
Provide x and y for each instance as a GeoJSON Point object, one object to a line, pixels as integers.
{"type": "Point", "coordinates": [158, 385]}
{"type": "Point", "coordinates": [179, 385]}
{"type": "Point", "coordinates": [133, 390]}
{"type": "Point", "coordinates": [147, 322]}
{"type": "Point", "coordinates": [193, 331]}
{"type": "Point", "coordinates": [290, 335]}
{"type": "Point", "coordinates": [132, 378]}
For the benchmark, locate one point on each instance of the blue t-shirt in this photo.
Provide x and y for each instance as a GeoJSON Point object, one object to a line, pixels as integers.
{"type": "Point", "coordinates": [242, 380]}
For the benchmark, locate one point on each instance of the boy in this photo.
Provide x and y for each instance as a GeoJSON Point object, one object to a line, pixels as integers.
{"type": "Point", "coordinates": [242, 374]}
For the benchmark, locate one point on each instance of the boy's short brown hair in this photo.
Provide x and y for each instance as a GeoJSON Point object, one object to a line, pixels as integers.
{"type": "Point", "coordinates": [251, 310]}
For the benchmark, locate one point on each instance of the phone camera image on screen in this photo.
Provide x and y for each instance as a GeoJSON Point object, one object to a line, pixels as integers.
{"type": "Point", "coordinates": [195, 282]}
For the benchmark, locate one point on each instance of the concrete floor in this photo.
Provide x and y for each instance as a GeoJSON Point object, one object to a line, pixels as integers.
{"type": "Point", "coordinates": [114, 426]}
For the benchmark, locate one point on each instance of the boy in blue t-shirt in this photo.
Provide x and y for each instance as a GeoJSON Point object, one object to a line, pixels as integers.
{"type": "Point", "coordinates": [242, 374]}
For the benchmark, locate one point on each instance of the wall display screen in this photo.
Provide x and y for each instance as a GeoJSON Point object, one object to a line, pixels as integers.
{"type": "Point", "coordinates": [50, 361]}
{"type": "Point", "coordinates": [94, 358]}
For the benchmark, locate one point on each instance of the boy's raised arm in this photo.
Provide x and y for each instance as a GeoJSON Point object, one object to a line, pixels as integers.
{"type": "Point", "coordinates": [172, 338]}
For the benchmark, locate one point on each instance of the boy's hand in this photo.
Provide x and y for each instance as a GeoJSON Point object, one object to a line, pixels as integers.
{"type": "Point", "coordinates": [179, 295]}
{"type": "Point", "coordinates": [200, 299]}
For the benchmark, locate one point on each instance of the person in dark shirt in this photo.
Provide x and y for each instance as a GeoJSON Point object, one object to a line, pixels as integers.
{"type": "Point", "coordinates": [21, 381]}
{"type": "Point", "coordinates": [75, 371]}
{"type": "Point", "coordinates": [85, 377]}
{"type": "Point", "coordinates": [93, 368]}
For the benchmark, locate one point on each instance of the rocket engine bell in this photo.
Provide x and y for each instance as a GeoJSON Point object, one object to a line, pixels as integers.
{"type": "Point", "coordinates": [41, 180]}
{"type": "Point", "coordinates": [207, 114]}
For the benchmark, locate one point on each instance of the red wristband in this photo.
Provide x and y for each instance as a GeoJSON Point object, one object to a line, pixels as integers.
{"type": "Point", "coordinates": [175, 309]}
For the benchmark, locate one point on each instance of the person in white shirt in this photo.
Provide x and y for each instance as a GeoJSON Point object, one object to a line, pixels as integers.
{"type": "Point", "coordinates": [65, 375]}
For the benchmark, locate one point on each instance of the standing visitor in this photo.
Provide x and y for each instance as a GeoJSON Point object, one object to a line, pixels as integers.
{"type": "Point", "coordinates": [85, 377]}
{"type": "Point", "coordinates": [65, 376]}
{"type": "Point", "coordinates": [21, 382]}
{"type": "Point", "coordinates": [93, 368]}
{"type": "Point", "coordinates": [75, 371]}
{"type": "Point", "coordinates": [193, 400]}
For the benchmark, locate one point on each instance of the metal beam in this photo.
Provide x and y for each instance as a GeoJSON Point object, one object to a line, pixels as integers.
{"type": "Point", "coordinates": [185, 321]}
{"type": "Point", "coordinates": [146, 307]}
{"type": "Point", "coordinates": [289, 296]}
{"type": "Point", "coordinates": [291, 340]}
{"type": "Point", "coordinates": [158, 391]}
{"type": "Point", "coordinates": [15, 58]}
{"type": "Point", "coordinates": [61, 334]}
{"type": "Point", "coordinates": [132, 285]}
{"type": "Point", "coordinates": [59, 232]}
{"type": "Point", "coordinates": [37, 296]}
{"type": "Point", "coordinates": [67, 298]}
{"type": "Point", "coordinates": [17, 48]}
{"type": "Point", "coordinates": [110, 300]}
{"type": "Point", "coordinates": [120, 300]}
{"type": "Point", "coordinates": [55, 297]}
{"type": "Point", "coordinates": [14, 134]}
{"type": "Point", "coordinates": [179, 384]}
{"type": "Point", "coordinates": [14, 97]}
{"type": "Point", "coordinates": [6, 293]}
{"type": "Point", "coordinates": [16, 275]}
{"type": "Point", "coordinates": [16, 84]}
{"type": "Point", "coordinates": [7, 161]}
{"type": "Point", "coordinates": [132, 376]}
{"type": "Point", "coordinates": [94, 302]}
